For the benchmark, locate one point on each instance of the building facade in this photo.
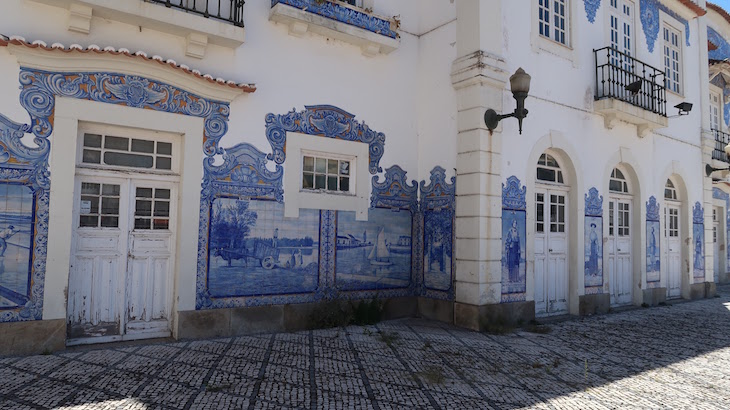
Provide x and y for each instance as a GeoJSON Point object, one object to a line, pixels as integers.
{"type": "Point", "coordinates": [192, 169]}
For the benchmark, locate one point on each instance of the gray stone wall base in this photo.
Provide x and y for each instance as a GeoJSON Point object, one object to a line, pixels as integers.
{"type": "Point", "coordinates": [710, 289]}
{"type": "Point", "coordinates": [654, 296]}
{"type": "Point", "coordinates": [724, 278]}
{"type": "Point", "coordinates": [34, 337]}
{"type": "Point", "coordinates": [435, 309]}
{"type": "Point", "coordinates": [201, 324]}
{"type": "Point", "coordinates": [488, 316]}
{"type": "Point", "coordinates": [594, 304]}
{"type": "Point", "coordinates": [697, 291]}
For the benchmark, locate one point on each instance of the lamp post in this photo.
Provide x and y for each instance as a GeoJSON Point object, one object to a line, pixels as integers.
{"type": "Point", "coordinates": [520, 86]}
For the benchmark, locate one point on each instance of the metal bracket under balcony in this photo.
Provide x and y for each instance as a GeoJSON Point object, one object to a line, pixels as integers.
{"type": "Point", "coordinates": [629, 90]}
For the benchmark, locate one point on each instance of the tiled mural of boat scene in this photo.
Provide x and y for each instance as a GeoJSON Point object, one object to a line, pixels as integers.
{"type": "Point", "coordinates": [16, 229]}
{"type": "Point", "coordinates": [254, 250]}
{"type": "Point", "coordinates": [373, 254]}
{"type": "Point", "coordinates": [437, 254]}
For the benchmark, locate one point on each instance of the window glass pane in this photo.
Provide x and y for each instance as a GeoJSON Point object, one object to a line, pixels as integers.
{"type": "Point", "coordinates": [110, 206]}
{"type": "Point", "coordinates": [319, 182]}
{"type": "Point", "coordinates": [118, 143]}
{"type": "Point", "coordinates": [110, 221]}
{"type": "Point", "coordinates": [143, 208]}
{"type": "Point", "coordinates": [308, 181]}
{"type": "Point", "coordinates": [164, 163]}
{"type": "Point", "coordinates": [344, 184]}
{"type": "Point", "coordinates": [162, 208]}
{"type": "Point", "coordinates": [321, 165]}
{"type": "Point", "coordinates": [90, 189]}
{"type": "Point", "coordinates": [162, 193]}
{"type": "Point", "coordinates": [332, 166]}
{"type": "Point", "coordinates": [144, 192]}
{"type": "Point", "coordinates": [308, 164]}
{"type": "Point", "coordinates": [344, 167]}
{"type": "Point", "coordinates": [94, 201]}
{"type": "Point", "coordinates": [544, 174]}
{"type": "Point", "coordinates": [140, 223]}
{"type": "Point", "coordinates": [128, 160]}
{"type": "Point", "coordinates": [91, 157]}
{"type": "Point", "coordinates": [92, 140]}
{"type": "Point", "coordinates": [110, 189]}
{"type": "Point", "coordinates": [560, 176]}
{"type": "Point", "coordinates": [89, 221]}
{"type": "Point", "coordinates": [164, 148]}
{"type": "Point", "coordinates": [539, 227]}
{"type": "Point", "coordinates": [143, 146]}
{"type": "Point", "coordinates": [614, 185]}
{"type": "Point", "coordinates": [161, 224]}
{"type": "Point", "coordinates": [332, 183]}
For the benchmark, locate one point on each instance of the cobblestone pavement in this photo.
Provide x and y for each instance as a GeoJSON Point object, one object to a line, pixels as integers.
{"type": "Point", "coordinates": [675, 356]}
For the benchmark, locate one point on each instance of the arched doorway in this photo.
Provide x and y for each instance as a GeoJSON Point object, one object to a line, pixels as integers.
{"type": "Point", "coordinates": [620, 263]}
{"type": "Point", "coordinates": [551, 237]}
{"type": "Point", "coordinates": [672, 237]}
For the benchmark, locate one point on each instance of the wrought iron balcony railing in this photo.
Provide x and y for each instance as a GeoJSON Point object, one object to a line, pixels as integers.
{"type": "Point", "coordinates": [226, 10]}
{"type": "Point", "coordinates": [620, 76]}
{"type": "Point", "coordinates": [721, 140]}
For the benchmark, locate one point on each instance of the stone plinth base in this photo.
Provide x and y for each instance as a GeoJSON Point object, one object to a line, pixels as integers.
{"type": "Point", "coordinates": [710, 289]}
{"type": "Point", "coordinates": [200, 324]}
{"type": "Point", "coordinates": [594, 304]}
{"type": "Point", "coordinates": [38, 336]}
{"type": "Point", "coordinates": [480, 318]}
{"type": "Point", "coordinates": [434, 309]}
{"type": "Point", "coordinates": [724, 278]}
{"type": "Point", "coordinates": [697, 291]}
{"type": "Point", "coordinates": [654, 296]}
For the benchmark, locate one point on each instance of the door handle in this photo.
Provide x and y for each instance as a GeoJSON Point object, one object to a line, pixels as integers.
{"type": "Point", "coordinates": [550, 250]}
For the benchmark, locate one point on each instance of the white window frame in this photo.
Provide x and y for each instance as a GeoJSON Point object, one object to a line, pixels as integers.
{"type": "Point", "coordinates": [717, 92]}
{"type": "Point", "coordinates": [633, 21]}
{"type": "Point", "coordinates": [669, 81]}
{"type": "Point", "coordinates": [131, 133]}
{"type": "Point", "coordinates": [296, 198]}
{"type": "Point", "coordinates": [328, 156]}
{"type": "Point", "coordinates": [547, 44]}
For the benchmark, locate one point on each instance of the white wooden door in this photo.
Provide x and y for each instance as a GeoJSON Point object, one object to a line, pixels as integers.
{"type": "Point", "coordinates": [551, 252]}
{"type": "Point", "coordinates": [620, 266]}
{"type": "Point", "coordinates": [672, 233]}
{"type": "Point", "coordinates": [716, 240]}
{"type": "Point", "coordinates": [119, 283]}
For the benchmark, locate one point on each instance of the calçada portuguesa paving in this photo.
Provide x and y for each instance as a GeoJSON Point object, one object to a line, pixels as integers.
{"type": "Point", "coordinates": [675, 356]}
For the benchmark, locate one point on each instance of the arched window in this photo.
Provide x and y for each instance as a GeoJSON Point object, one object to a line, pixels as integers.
{"type": "Point", "coordinates": [548, 169]}
{"type": "Point", "coordinates": [618, 183]}
{"type": "Point", "coordinates": [670, 192]}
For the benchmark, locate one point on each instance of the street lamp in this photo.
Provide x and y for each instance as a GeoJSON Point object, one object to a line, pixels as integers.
{"type": "Point", "coordinates": [520, 86]}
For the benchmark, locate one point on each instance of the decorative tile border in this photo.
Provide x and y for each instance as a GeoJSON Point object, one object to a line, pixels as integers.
{"type": "Point", "coordinates": [438, 196]}
{"type": "Point", "coordinates": [592, 7]}
{"type": "Point", "coordinates": [653, 243]}
{"type": "Point", "coordinates": [649, 14]}
{"type": "Point", "coordinates": [343, 14]}
{"type": "Point", "coordinates": [326, 121]}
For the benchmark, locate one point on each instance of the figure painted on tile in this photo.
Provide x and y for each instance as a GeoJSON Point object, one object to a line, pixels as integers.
{"type": "Point", "coordinates": [698, 252]}
{"type": "Point", "coordinates": [593, 257]}
{"type": "Point", "coordinates": [652, 246]}
{"type": "Point", "coordinates": [512, 251]}
{"type": "Point", "coordinates": [6, 234]}
{"type": "Point", "coordinates": [438, 233]}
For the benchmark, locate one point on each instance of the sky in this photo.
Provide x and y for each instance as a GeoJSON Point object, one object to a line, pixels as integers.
{"type": "Point", "coordinates": [722, 3]}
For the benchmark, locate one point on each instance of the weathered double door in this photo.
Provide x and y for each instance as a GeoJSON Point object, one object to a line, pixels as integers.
{"type": "Point", "coordinates": [619, 250]}
{"type": "Point", "coordinates": [122, 258]}
{"type": "Point", "coordinates": [551, 252]}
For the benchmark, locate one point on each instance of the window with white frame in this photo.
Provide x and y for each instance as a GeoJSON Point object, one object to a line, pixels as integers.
{"type": "Point", "coordinates": [114, 151]}
{"type": "Point", "coordinates": [327, 173]}
{"type": "Point", "coordinates": [714, 110]}
{"type": "Point", "coordinates": [553, 20]}
{"type": "Point", "coordinates": [617, 182]}
{"type": "Point", "coordinates": [672, 59]}
{"type": "Point", "coordinates": [670, 192]}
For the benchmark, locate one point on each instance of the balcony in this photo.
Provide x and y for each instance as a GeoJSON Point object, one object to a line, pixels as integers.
{"type": "Point", "coordinates": [629, 90]}
{"type": "Point", "coordinates": [198, 22]}
{"type": "Point", "coordinates": [226, 10]}
{"type": "Point", "coordinates": [721, 140]}
{"type": "Point", "coordinates": [339, 20]}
